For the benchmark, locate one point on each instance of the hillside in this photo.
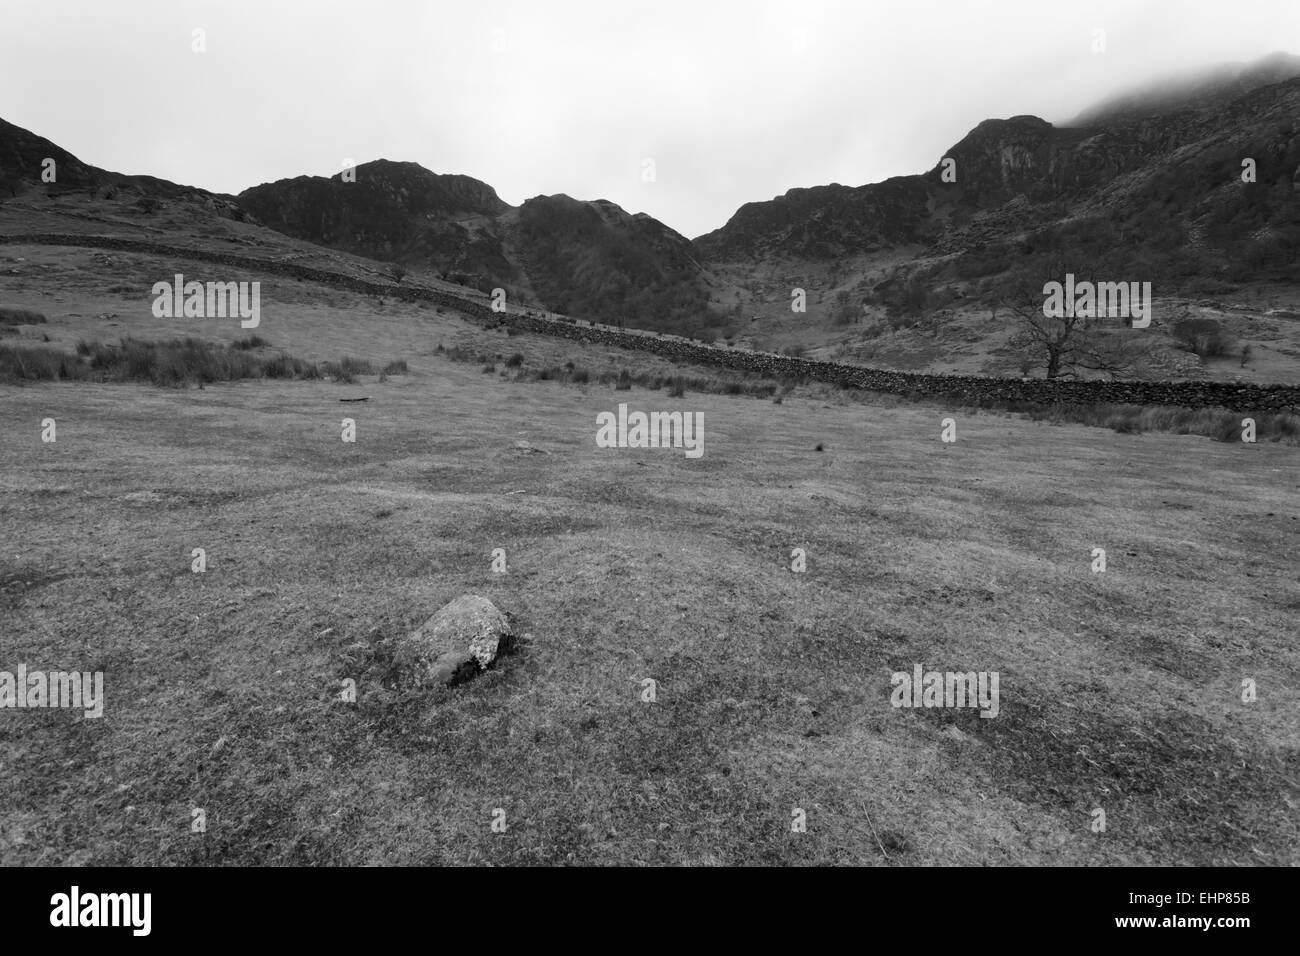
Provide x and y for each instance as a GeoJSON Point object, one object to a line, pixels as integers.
{"type": "Point", "coordinates": [909, 273]}
{"type": "Point", "coordinates": [1197, 90]}
{"type": "Point", "coordinates": [393, 212]}
{"type": "Point", "coordinates": [1120, 691]}
{"type": "Point", "coordinates": [23, 156]}
{"type": "Point", "coordinates": [586, 258]}
{"type": "Point", "coordinates": [1150, 180]}
{"type": "Point", "coordinates": [912, 274]}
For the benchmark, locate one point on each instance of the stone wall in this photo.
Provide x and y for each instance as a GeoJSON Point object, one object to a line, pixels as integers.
{"type": "Point", "coordinates": [956, 388]}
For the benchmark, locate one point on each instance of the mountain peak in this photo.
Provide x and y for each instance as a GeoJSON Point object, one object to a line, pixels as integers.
{"type": "Point", "coordinates": [1198, 89]}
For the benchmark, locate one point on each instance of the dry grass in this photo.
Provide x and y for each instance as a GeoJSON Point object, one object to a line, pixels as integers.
{"type": "Point", "coordinates": [1119, 690]}
{"type": "Point", "coordinates": [177, 362]}
{"type": "Point", "coordinates": [20, 317]}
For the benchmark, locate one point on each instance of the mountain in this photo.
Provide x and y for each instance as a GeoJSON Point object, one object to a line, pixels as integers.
{"type": "Point", "coordinates": [996, 162]}
{"type": "Point", "coordinates": [384, 212]}
{"type": "Point", "coordinates": [1198, 90]}
{"type": "Point", "coordinates": [1147, 184]}
{"type": "Point", "coordinates": [1164, 187]}
{"type": "Point", "coordinates": [824, 222]}
{"type": "Point", "coordinates": [593, 258]}
{"type": "Point", "coordinates": [394, 212]}
{"type": "Point", "coordinates": [23, 157]}
{"type": "Point", "coordinates": [582, 258]}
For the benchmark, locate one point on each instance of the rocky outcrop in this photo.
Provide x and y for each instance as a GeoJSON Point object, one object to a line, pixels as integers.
{"type": "Point", "coordinates": [571, 256]}
{"type": "Point", "coordinates": [1023, 174]}
{"type": "Point", "coordinates": [824, 222]}
{"type": "Point", "coordinates": [22, 160]}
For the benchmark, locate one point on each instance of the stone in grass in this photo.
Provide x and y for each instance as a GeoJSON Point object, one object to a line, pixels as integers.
{"type": "Point", "coordinates": [453, 646]}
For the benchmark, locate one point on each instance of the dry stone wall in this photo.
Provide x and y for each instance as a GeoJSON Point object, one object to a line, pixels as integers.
{"type": "Point", "coordinates": [957, 388]}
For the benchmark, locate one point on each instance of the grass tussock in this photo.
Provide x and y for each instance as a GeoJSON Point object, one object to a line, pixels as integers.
{"type": "Point", "coordinates": [175, 363]}
{"type": "Point", "coordinates": [250, 343]}
{"type": "Point", "coordinates": [347, 369]}
{"type": "Point", "coordinates": [1220, 424]}
{"type": "Point", "coordinates": [10, 316]}
{"type": "Point", "coordinates": [737, 383]}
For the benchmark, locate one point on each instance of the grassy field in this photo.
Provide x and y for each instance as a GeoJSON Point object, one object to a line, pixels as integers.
{"type": "Point", "coordinates": [1120, 691]}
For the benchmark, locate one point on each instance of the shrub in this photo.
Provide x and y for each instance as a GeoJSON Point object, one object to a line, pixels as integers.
{"type": "Point", "coordinates": [398, 367]}
{"type": "Point", "coordinates": [1206, 337]}
{"type": "Point", "coordinates": [624, 383]}
{"type": "Point", "coordinates": [515, 360]}
{"type": "Point", "coordinates": [677, 387]}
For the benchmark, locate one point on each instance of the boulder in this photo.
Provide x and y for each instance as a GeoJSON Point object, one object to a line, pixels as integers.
{"type": "Point", "coordinates": [463, 638]}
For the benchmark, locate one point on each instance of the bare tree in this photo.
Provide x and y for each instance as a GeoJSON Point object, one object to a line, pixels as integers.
{"type": "Point", "coordinates": [1064, 345]}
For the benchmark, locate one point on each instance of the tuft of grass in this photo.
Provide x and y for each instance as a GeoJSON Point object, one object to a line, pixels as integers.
{"type": "Point", "coordinates": [10, 316]}
{"type": "Point", "coordinates": [346, 369]}
{"type": "Point", "coordinates": [251, 342]}
{"type": "Point", "coordinates": [36, 365]}
{"type": "Point", "coordinates": [1219, 424]}
{"type": "Point", "coordinates": [174, 363]}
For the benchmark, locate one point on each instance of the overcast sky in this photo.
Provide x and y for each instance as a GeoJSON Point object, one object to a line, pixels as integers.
{"type": "Point", "coordinates": [733, 100]}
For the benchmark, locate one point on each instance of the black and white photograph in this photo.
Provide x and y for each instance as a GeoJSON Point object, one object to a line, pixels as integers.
{"type": "Point", "coordinates": [743, 434]}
